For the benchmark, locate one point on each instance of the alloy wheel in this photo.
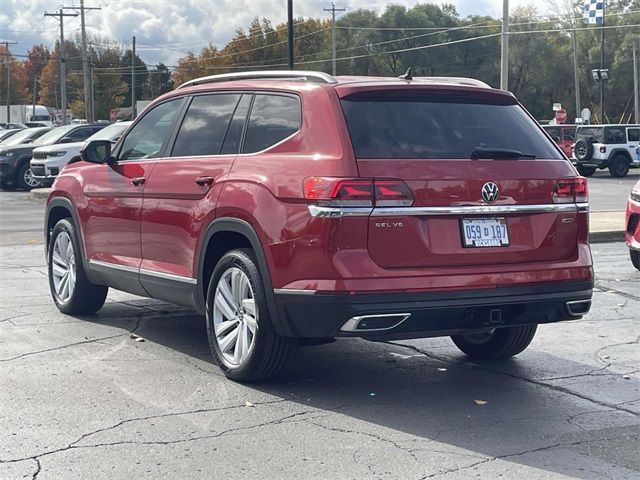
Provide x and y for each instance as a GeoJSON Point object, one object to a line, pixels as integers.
{"type": "Point", "coordinates": [63, 267]}
{"type": "Point", "coordinates": [29, 178]}
{"type": "Point", "coordinates": [235, 319]}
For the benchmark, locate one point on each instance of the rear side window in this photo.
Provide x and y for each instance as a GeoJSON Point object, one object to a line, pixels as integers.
{"type": "Point", "coordinates": [386, 126]}
{"type": "Point", "coordinates": [234, 133]}
{"type": "Point", "coordinates": [553, 132]}
{"type": "Point", "coordinates": [273, 118]}
{"type": "Point", "coordinates": [597, 133]}
{"type": "Point", "coordinates": [205, 124]}
{"type": "Point", "coordinates": [569, 134]}
{"type": "Point", "coordinates": [614, 135]}
{"type": "Point", "coordinates": [633, 134]}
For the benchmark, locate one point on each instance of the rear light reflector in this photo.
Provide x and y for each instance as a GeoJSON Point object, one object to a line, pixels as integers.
{"type": "Point", "coordinates": [603, 149]}
{"type": "Point", "coordinates": [357, 192]}
{"type": "Point", "coordinates": [571, 190]}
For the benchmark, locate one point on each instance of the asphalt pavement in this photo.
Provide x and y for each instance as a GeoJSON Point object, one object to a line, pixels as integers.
{"type": "Point", "coordinates": [132, 393]}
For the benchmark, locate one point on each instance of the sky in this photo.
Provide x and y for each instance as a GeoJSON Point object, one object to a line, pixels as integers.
{"type": "Point", "coordinates": [166, 30]}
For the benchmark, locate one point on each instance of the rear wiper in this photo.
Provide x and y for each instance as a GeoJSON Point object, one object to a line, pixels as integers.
{"type": "Point", "coordinates": [498, 153]}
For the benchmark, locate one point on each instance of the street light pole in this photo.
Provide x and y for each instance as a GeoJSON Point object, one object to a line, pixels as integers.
{"type": "Point", "coordinates": [290, 31]}
{"type": "Point", "coordinates": [504, 49]}
{"type": "Point", "coordinates": [636, 81]}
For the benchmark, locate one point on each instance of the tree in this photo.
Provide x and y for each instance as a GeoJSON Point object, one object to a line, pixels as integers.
{"type": "Point", "coordinates": [18, 78]}
{"type": "Point", "coordinates": [37, 59]}
{"type": "Point", "coordinates": [159, 81]}
{"type": "Point", "coordinates": [142, 76]}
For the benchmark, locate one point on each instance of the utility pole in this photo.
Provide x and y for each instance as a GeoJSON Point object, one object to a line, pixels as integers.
{"type": "Point", "coordinates": [133, 79]}
{"type": "Point", "coordinates": [88, 101]}
{"type": "Point", "coordinates": [333, 11]}
{"type": "Point", "coordinates": [63, 65]}
{"type": "Point", "coordinates": [603, 114]}
{"type": "Point", "coordinates": [7, 62]}
{"type": "Point", "coordinates": [636, 81]}
{"type": "Point", "coordinates": [290, 31]}
{"type": "Point", "coordinates": [504, 49]}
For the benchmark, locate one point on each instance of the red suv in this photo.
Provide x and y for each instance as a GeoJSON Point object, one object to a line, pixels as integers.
{"type": "Point", "coordinates": [295, 205]}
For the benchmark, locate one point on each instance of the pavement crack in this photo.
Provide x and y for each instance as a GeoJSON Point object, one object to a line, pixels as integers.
{"type": "Point", "coordinates": [519, 377]}
{"type": "Point", "coordinates": [74, 444]}
{"type": "Point", "coordinates": [409, 451]}
{"type": "Point", "coordinates": [83, 342]}
{"type": "Point", "coordinates": [617, 292]}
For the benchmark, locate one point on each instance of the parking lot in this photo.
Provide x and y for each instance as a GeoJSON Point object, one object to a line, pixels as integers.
{"type": "Point", "coordinates": [132, 391]}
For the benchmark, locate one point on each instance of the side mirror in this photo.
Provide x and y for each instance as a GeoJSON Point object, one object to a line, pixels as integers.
{"type": "Point", "coordinates": [97, 151]}
{"type": "Point", "coordinates": [66, 140]}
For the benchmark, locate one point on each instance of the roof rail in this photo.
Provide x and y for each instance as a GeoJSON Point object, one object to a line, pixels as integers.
{"type": "Point", "coordinates": [320, 77]}
{"type": "Point", "coordinates": [458, 80]}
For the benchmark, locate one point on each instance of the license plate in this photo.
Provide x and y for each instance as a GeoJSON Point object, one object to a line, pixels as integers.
{"type": "Point", "coordinates": [485, 232]}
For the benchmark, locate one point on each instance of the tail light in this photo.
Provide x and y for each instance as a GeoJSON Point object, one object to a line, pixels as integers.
{"type": "Point", "coordinates": [357, 192]}
{"type": "Point", "coordinates": [392, 193]}
{"type": "Point", "coordinates": [571, 190]}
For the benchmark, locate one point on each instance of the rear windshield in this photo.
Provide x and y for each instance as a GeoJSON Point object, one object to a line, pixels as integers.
{"type": "Point", "coordinates": [596, 132]}
{"type": "Point", "coordinates": [439, 126]}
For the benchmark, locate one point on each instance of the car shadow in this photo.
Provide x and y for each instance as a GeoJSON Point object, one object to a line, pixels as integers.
{"type": "Point", "coordinates": [439, 397]}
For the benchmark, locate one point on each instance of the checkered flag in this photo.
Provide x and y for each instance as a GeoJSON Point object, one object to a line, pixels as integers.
{"type": "Point", "coordinates": [593, 12]}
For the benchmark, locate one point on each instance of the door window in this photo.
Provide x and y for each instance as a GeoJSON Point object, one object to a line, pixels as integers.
{"type": "Point", "coordinates": [273, 118]}
{"type": "Point", "coordinates": [147, 136]}
{"type": "Point", "coordinates": [81, 134]}
{"type": "Point", "coordinates": [205, 124]}
{"type": "Point", "coordinates": [633, 134]}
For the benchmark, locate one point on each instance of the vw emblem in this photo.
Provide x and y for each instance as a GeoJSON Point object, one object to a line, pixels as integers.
{"type": "Point", "coordinates": [490, 192]}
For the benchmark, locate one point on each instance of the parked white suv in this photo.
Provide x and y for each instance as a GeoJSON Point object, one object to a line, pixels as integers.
{"type": "Point", "coordinates": [616, 147]}
{"type": "Point", "coordinates": [47, 162]}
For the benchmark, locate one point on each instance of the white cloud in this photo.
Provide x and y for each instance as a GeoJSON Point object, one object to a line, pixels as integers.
{"type": "Point", "coordinates": [167, 29]}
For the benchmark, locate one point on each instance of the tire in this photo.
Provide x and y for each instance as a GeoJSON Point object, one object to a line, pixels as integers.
{"type": "Point", "coordinates": [265, 353]}
{"type": "Point", "coordinates": [24, 178]}
{"type": "Point", "coordinates": [586, 171]}
{"type": "Point", "coordinates": [635, 258]}
{"type": "Point", "coordinates": [583, 150]}
{"type": "Point", "coordinates": [500, 343]}
{"type": "Point", "coordinates": [82, 297]}
{"type": "Point", "coordinates": [619, 166]}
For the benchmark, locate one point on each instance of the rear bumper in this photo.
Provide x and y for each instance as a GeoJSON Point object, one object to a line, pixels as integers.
{"type": "Point", "coordinates": [431, 314]}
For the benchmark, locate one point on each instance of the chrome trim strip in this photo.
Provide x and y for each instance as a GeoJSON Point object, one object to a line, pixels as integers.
{"type": "Point", "coordinates": [351, 325]}
{"type": "Point", "coordinates": [582, 207]}
{"type": "Point", "coordinates": [141, 271]}
{"type": "Point", "coordinates": [114, 266]}
{"type": "Point", "coordinates": [293, 291]}
{"type": "Point", "coordinates": [169, 276]}
{"type": "Point", "coordinates": [474, 209]}
{"type": "Point", "coordinates": [337, 212]}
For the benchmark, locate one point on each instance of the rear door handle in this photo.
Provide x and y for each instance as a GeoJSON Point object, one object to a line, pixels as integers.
{"type": "Point", "coordinates": [202, 181]}
{"type": "Point", "coordinates": [138, 180]}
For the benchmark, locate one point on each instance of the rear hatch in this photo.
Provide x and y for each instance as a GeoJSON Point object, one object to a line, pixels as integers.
{"type": "Point", "coordinates": [449, 147]}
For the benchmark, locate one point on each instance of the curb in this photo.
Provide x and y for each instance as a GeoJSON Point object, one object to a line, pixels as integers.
{"type": "Point", "coordinates": [607, 236]}
{"type": "Point", "coordinates": [39, 193]}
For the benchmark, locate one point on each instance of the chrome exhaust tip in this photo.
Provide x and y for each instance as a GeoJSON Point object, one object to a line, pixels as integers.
{"type": "Point", "coordinates": [577, 308]}
{"type": "Point", "coordinates": [374, 323]}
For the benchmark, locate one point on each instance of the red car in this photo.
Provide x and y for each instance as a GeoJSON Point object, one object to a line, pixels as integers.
{"type": "Point", "coordinates": [297, 207]}
{"type": "Point", "coordinates": [632, 235]}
